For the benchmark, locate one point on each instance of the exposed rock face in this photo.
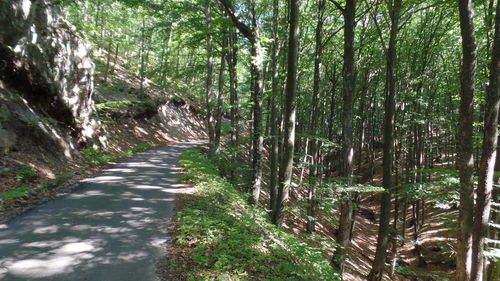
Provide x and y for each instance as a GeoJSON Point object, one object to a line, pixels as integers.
{"type": "Point", "coordinates": [46, 79]}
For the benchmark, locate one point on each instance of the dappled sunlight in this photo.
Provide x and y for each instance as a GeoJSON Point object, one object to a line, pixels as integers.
{"type": "Point", "coordinates": [115, 218]}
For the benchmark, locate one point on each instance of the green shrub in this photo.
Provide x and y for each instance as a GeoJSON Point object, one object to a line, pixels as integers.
{"type": "Point", "coordinates": [18, 192]}
{"type": "Point", "coordinates": [98, 157]}
{"type": "Point", "coordinates": [61, 178]}
{"type": "Point", "coordinates": [425, 276]}
{"type": "Point", "coordinates": [228, 239]}
{"type": "Point", "coordinates": [4, 173]}
{"type": "Point", "coordinates": [140, 147]}
{"type": "Point", "coordinates": [26, 174]}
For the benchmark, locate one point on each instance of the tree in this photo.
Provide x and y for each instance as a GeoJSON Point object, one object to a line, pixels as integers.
{"type": "Point", "coordinates": [286, 171]}
{"type": "Point", "coordinates": [315, 117]}
{"type": "Point", "coordinates": [257, 72]}
{"type": "Point", "coordinates": [465, 156]}
{"type": "Point", "coordinates": [346, 208]}
{"type": "Point", "coordinates": [488, 158]}
{"type": "Point", "coordinates": [220, 93]}
{"type": "Point", "coordinates": [377, 271]}
{"type": "Point", "coordinates": [274, 165]}
{"type": "Point", "coordinates": [209, 81]}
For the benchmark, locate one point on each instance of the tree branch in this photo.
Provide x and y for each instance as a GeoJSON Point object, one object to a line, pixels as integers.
{"type": "Point", "coordinates": [342, 9]}
{"type": "Point", "coordinates": [243, 28]}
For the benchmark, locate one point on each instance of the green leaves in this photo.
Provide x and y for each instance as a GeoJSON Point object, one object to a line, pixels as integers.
{"type": "Point", "coordinates": [26, 174]}
{"type": "Point", "coordinates": [230, 240]}
{"type": "Point", "coordinates": [97, 157]}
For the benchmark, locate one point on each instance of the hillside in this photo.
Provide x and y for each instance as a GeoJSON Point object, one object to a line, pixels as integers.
{"type": "Point", "coordinates": [48, 125]}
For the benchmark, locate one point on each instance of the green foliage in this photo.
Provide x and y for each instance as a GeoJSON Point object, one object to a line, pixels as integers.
{"type": "Point", "coordinates": [424, 276]}
{"type": "Point", "coordinates": [4, 173]}
{"type": "Point", "coordinates": [235, 241]}
{"type": "Point", "coordinates": [97, 157]}
{"type": "Point", "coordinates": [26, 174]}
{"type": "Point", "coordinates": [140, 147]}
{"type": "Point", "coordinates": [18, 192]}
{"type": "Point", "coordinates": [443, 189]}
{"type": "Point", "coordinates": [8, 196]}
{"type": "Point", "coordinates": [61, 178]}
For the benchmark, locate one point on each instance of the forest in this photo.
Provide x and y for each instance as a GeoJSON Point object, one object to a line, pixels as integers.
{"type": "Point", "coordinates": [366, 129]}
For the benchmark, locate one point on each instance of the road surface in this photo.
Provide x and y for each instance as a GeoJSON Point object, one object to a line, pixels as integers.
{"type": "Point", "coordinates": [111, 228]}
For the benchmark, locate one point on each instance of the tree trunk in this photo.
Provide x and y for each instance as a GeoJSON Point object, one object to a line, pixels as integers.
{"type": "Point", "coordinates": [273, 181]}
{"type": "Point", "coordinates": [488, 157]}
{"type": "Point", "coordinates": [465, 156]}
{"type": "Point", "coordinates": [346, 208]}
{"type": "Point", "coordinates": [233, 86]}
{"type": "Point", "coordinates": [108, 60]}
{"type": "Point", "coordinates": [257, 95]}
{"type": "Point", "coordinates": [290, 112]}
{"type": "Point", "coordinates": [377, 270]}
{"type": "Point", "coordinates": [220, 95]}
{"type": "Point", "coordinates": [115, 59]}
{"type": "Point", "coordinates": [210, 63]}
{"type": "Point", "coordinates": [314, 117]}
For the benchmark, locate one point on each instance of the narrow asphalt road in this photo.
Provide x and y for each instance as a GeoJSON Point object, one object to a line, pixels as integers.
{"type": "Point", "coordinates": [111, 228]}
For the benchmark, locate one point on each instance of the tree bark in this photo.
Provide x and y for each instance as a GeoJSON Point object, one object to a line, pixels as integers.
{"type": "Point", "coordinates": [377, 270]}
{"type": "Point", "coordinates": [315, 114]}
{"type": "Point", "coordinates": [257, 73]}
{"type": "Point", "coordinates": [208, 94]}
{"type": "Point", "coordinates": [488, 157]}
{"type": "Point", "coordinates": [273, 181]}
{"type": "Point", "coordinates": [465, 151]}
{"type": "Point", "coordinates": [346, 208]}
{"type": "Point", "coordinates": [286, 170]}
{"type": "Point", "coordinates": [220, 95]}
{"type": "Point", "coordinates": [233, 86]}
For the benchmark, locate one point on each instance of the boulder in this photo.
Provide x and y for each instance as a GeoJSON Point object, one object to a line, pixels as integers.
{"type": "Point", "coordinates": [46, 78]}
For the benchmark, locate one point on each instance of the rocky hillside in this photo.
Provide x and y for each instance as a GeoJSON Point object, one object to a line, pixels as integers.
{"type": "Point", "coordinates": [46, 81]}
{"type": "Point", "coordinates": [55, 105]}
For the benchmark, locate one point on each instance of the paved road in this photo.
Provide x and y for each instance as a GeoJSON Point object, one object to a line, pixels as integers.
{"type": "Point", "coordinates": [112, 228]}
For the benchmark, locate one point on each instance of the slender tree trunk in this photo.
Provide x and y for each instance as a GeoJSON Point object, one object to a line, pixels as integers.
{"type": "Point", "coordinates": [210, 62]}
{"type": "Point", "coordinates": [377, 270]}
{"type": "Point", "coordinates": [346, 208]}
{"type": "Point", "coordinates": [286, 170]}
{"type": "Point", "coordinates": [115, 59]}
{"type": "Point", "coordinates": [108, 60]}
{"type": "Point", "coordinates": [233, 86]}
{"type": "Point", "coordinates": [257, 94]}
{"type": "Point", "coordinates": [273, 182]}
{"type": "Point", "coordinates": [220, 95]}
{"type": "Point", "coordinates": [488, 157]}
{"type": "Point", "coordinates": [143, 52]}
{"type": "Point", "coordinates": [465, 151]}
{"type": "Point", "coordinates": [315, 114]}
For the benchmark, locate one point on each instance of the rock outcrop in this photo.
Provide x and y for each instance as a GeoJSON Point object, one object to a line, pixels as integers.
{"type": "Point", "coordinates": [46, 80]}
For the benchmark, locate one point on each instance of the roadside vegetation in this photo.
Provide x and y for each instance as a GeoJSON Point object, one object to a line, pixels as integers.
{"type": "Point", "coordinates": [222, 237]}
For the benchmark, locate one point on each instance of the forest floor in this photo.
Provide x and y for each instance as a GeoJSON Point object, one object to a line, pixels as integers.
{"type": "Point", "coordinates": [436, 236]}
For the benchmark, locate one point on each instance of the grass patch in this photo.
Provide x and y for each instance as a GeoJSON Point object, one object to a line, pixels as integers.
{"type": "Point", "coordinates": [60, 179]}
{"type": "Point", "coordinates": [224, 238]}
{"type": "Point", "coordinates": [425, 276]}
{"type": "Point", "coordinates": [8, 197]}
{"type": "Point", "coordinates": [97, 157]}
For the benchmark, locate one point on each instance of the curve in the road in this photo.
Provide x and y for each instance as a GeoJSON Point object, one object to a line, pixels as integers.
{"type": "Point", "coordinates": [112, 228]}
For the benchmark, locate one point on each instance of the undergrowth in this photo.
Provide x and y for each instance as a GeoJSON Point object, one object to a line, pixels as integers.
{"type": "Point", "coordinates": [97, 157]}
{"type": "Point", "coordinates": [7, 197]}
{"type": "Point", "coordinates": [225, 238]}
